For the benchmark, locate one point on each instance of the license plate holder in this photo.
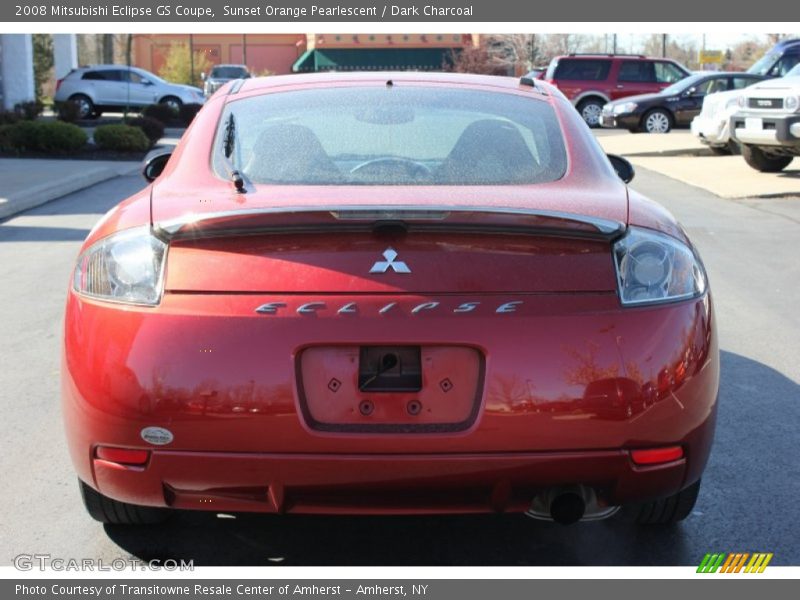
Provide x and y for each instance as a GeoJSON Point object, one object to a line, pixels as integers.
{"type": "Point", "coordinates": [754, 123]}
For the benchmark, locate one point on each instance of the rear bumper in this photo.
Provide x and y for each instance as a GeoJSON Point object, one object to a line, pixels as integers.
{"type": "Point", "coordinates": [368, 484]}
{"type": "Point", "coordinates": [571, 383]}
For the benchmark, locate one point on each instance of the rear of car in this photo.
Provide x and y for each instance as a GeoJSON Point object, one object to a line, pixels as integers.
{"type": "Point", "coordinates": [592, 80]}
{"type": "Point", "coordinates": [390, 294]}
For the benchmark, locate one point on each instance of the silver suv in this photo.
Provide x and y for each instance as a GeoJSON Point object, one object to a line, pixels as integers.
{"type": "Point", "coordinates": [98, 88]}
{"type": "Point", "coordinates": [222, 74]}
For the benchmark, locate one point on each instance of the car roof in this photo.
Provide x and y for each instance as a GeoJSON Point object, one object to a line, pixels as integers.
{"type": "Point", "coordinates": [432, 77]}
{"type": "Point", "coordinates": [596, 55]}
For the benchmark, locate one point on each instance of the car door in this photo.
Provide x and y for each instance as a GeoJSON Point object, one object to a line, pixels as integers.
{"type": "Point", "coordinates": [635, 77]}
{"type": "Point", "coordinates": [690, 103]}
{"type": "Point", "coordinates": [141, 90]}
{"type": "Point", "coordinates": [100, 86]}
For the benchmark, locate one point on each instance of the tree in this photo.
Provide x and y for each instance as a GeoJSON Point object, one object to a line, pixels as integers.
{"type": "Point", "coordinates": [514, 53]}
{"type": "Point", "coordinates": [474, 59]}
{"type": "Point", "coordinates": [177, 65]}
{"type": "Point", "coordinates": [42, 61]}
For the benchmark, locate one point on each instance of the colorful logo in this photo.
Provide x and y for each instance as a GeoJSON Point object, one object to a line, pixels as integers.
{"type": "Point", "coordinates": [735, 562]}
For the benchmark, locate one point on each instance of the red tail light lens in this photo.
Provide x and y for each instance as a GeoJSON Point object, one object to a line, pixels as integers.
{"type": "Point", "coordinates": [654, 456]}
{"type": "Point", "coordinates": [58, 84]}
{"type": "Point", "coordinates": [123, 456]}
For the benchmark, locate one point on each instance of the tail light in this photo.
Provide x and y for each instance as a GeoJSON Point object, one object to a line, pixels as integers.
{"type": "Point", "coordinates": [123, 456]}
{"type": "Point", "coordinates": [58, 84]}
{"type": "Point", "coordinates": [654, 456]}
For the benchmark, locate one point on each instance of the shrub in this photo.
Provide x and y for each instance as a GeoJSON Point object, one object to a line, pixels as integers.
{"type": "Point", "coordinates": [122, 138]}
{"type": "Point", "coordinates": [59, 137]}
{"type": "Point", "coordinates": [29, 110]}
{"type": "Point", "coordinates": [68, 111]}
{"type": "Point", "coordinates": [160, 112]}
{"type": "Point", "coordinates": [37, 136]}
{"type": "Point", "coordinates": [188, 112]}
{"type": "Point", "coordinates": [9, 117]}
{"type": "Point", "coordinates": [152, 128]}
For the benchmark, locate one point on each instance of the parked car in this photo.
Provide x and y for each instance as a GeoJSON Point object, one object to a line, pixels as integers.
{"type": "Point", "coordinates": [101, 88]}
{"type": "Point", "coordinates": [400, 293]}
{"type": "Point", "coordinates": [592, 80]}
{"type": "Point", "coordinates": [674, 106]}
{"type": "Point", "coordinates": [222, 74]}
{"type": "Point", "coordinates": [767, 122]}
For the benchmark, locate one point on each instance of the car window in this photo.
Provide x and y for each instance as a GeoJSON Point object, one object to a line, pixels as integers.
{"type": "Point", "coordinates": [742, 82]}
{"type": "Point", "coordinates": [95, 75]}
{"type": "Point", "coordinates": [667, 72]}
{"type": "Point", "coordinates": [784, 65]}
{"type": "Point", "coordinates": [133, 77]}
{"type": "Point", "coordinates": [711, 86]}
{"type": "Point", "coordinates": [228, 72]}
{"type": "Point", "coordinates": [582, 69]}
{"type": "Point", "coordinates": [393, 136]}
{"type": "Point", "coordinates": [637, 71]}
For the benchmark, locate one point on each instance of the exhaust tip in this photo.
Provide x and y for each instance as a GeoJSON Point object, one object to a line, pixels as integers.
{"type": "Point", "coordinates": [567, 508]}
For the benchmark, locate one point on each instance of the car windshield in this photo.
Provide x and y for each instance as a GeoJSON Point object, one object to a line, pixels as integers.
{"type": "Point", "coordinates": [228, 72]}
{"type": "Point", "coordinates": [392, 135]}
{"type": "Point", "coordinates": [764, 64]}
{"type": "Point", "coordinates": [684, 84]}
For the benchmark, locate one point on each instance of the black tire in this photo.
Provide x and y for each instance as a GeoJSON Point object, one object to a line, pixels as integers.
{"type": "Point", "coordinates": [173, 102]}
{"type": "Point", "coordinates": [761, 161]}
{"type": "Point", "coordinates": [720, 150]}
{"type": "Point", "coordinates": [666, 511]}
{"type": "Point", "coordinates": [85, 105]}
{"type": "Point", "coordinates": [657, 120]}
{"type": "Point", "coordinates": [113, 512]}
{"type": "Point", "coordinates": [590, 110]}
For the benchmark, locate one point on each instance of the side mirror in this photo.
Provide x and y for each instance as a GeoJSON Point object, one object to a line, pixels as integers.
{"type": "Point", "coordinates": [623, 167]}
{"type": "Point", "coordinates": [203, 76]}
{"type": "Point", "coordinates": [154, 165]}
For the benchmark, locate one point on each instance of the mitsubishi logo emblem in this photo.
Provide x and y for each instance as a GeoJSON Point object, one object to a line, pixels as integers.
{"type": "Point", "coordinates": [398, 266]}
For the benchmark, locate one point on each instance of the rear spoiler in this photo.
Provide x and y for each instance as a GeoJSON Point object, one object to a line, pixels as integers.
{"type": "Point", "coordinates": [315, 219]}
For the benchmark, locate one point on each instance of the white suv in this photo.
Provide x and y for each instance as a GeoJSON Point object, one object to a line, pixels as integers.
{"type": "Point", "coordinates": [113, 87]}
{"type": "Point", "coordinates": [767, 123]}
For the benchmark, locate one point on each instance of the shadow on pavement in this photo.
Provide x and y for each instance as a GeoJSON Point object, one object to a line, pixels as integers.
{"type": "Point", "coordinates": [754, 460]}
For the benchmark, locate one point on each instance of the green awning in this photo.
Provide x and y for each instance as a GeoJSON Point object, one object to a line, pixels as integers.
{"type": "Point", "coordinates": [374, 59]}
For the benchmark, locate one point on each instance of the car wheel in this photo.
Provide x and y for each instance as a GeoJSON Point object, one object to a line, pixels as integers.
{"type": "Point", "coordinates": [666, 511]}
{"type": "Point", "coordinates": [104, 509]}
{"type": "Point", "coordinates": [590, 111]}
{"type": "Point", "coordinates": [761, 161]}
{"type": "Point", "coordinates": [84, 104]}
{"type": "Point", "coordinates": [657, 120]}
{"type": "Point", "coordinates": [174, 103]}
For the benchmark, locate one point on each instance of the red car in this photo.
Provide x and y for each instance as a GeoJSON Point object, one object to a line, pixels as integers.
{"type": "Point", "coordinates": [389, 293]}
{"type": "Point", "coordinates": [592, 80]}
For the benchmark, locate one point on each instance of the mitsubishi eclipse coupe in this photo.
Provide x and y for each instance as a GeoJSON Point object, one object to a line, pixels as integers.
{"type": "Point", "coordinates": [389, 293]}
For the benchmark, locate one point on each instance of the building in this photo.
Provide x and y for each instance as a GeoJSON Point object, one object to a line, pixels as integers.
{"type": "Point", "coordinates": [308, 52]}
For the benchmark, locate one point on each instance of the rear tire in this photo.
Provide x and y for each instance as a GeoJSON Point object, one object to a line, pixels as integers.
{"type": "Point", "coordinates": [104, 509]}
{"type": "Point", "coordinates": [590, 110]}
{"type": "Point", "coordinates": [761, 161]}
{"type": "Point", "coordinates": [666, 511]}
{"type": "Point", "coordinates": [85, 105]}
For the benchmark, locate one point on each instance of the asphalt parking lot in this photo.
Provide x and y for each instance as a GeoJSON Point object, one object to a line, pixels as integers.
{"type": "Point", "coordinates": [748, 501]}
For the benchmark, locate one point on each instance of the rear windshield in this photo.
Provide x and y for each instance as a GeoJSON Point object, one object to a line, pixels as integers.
{"type": "Point", "coordinates": [392, 135]}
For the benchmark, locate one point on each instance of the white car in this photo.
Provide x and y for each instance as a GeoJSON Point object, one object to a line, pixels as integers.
{"type": "Point", "coordinates": [767, 122]}
{"type": "Point", "coordinates": [712, 125]}
{"type": "Point", "coordinates": [113, 87]}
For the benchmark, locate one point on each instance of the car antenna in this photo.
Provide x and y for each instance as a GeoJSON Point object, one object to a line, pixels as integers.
{"type": "Point", "coordinates": [229, 143]}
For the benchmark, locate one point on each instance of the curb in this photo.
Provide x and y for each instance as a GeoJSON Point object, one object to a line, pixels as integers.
{"type": "Point", "coordinates": [46, 192]}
